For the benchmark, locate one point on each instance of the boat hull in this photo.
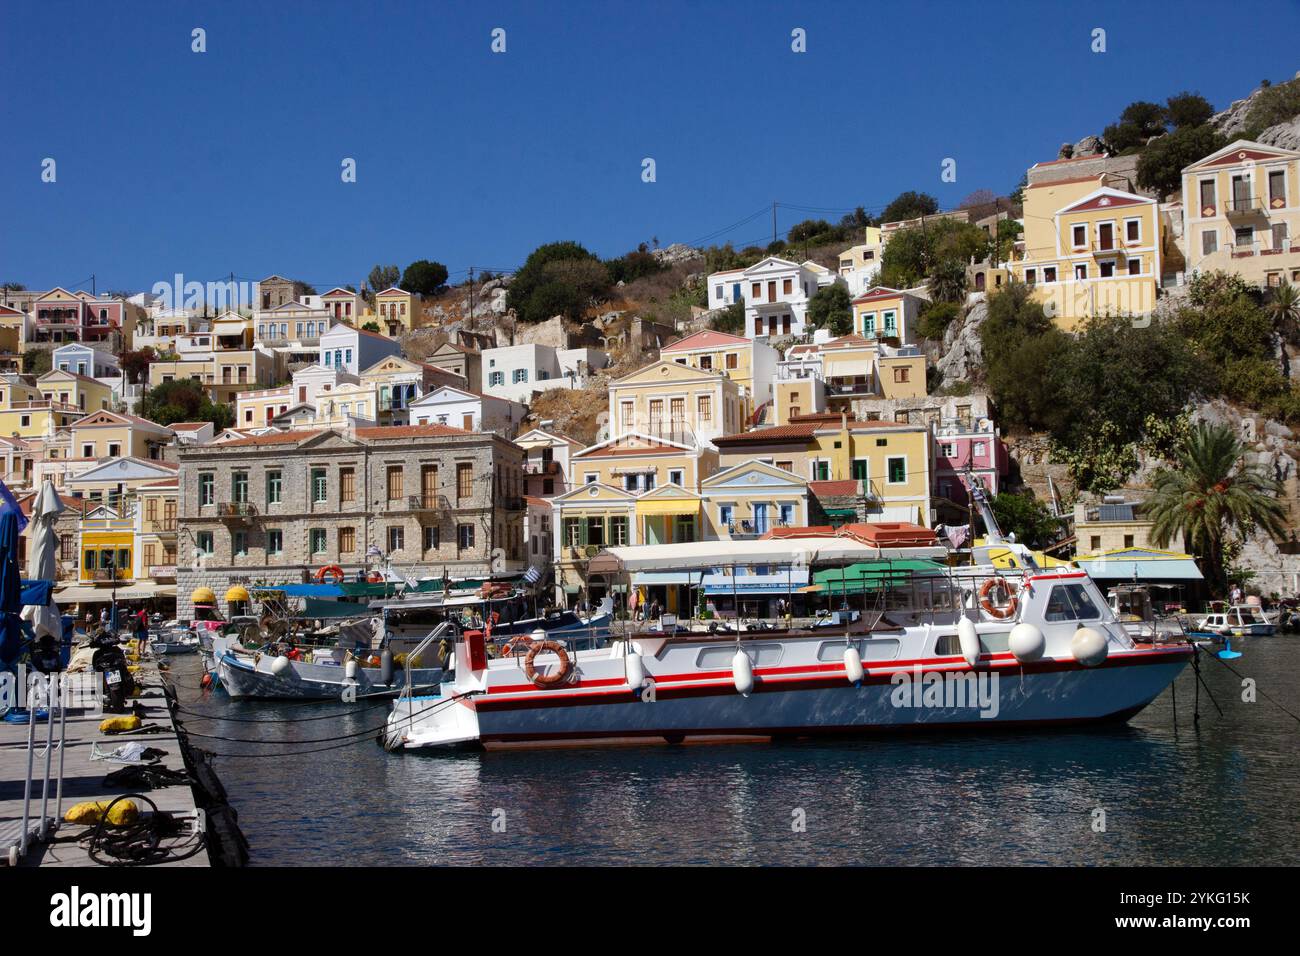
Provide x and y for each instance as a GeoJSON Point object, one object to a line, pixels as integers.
{"type": "Point", "coordinates": [244, 678]}
{"type": "Point", "coordinates": [813, 703]}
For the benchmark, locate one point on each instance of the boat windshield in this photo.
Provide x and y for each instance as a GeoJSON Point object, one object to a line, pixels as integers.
{"type": "Point", "coordinates": [1071, 602]}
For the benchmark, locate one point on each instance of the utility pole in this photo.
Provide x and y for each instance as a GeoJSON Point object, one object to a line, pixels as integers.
{"type": "Point", "coordinates": [471, 293]}
{"type": "Point", "coordinates": [774, 220]}
{"type": "Point", "coordinates": [92, 283]}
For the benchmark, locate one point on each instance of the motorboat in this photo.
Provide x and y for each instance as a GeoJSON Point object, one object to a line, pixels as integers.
{"type": "Point", "coordinates": [1239, 620]}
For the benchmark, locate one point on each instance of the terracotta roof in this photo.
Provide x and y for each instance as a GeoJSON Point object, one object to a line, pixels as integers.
{"type": "Point", "coordinates": [410, 431]}
{"type": "Point", "coordinates": [540, 502]}
{"type": "Point", "coordinates": [792, 432]}
{"type": "Point", "coordinates": [187, 426]}
{"type": "Point", "coordinates": [705, 339]}
{"type": "Point", "coordinates": [841, 487]}
{"type": "Point", "coordinates": [163, 483]}
{"type": "Point", "coordinates": [26, 499]}
{"type": "Point", "coordinates": [1064, 182]}
{"type": "Point", "coordinates": [1069, 159]}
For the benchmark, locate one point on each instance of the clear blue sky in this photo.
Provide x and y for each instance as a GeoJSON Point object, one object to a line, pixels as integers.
{"type": "Point", "coordinates": [229, 161]}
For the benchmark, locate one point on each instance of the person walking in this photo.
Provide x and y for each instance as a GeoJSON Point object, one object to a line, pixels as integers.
{"type": "Point", "coordinates": [142, 629]}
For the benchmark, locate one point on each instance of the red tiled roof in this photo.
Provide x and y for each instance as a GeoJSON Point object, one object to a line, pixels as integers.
{"type": "Point", "coordinates": [410, 431]}
{"type": "Point", "coordinates": [705, 339]}
{"type": "Point", "coordinates": [841, 487]}
{"type": "Point", "coordinates": [1064, 182]}
{"type": "Point", "coordinates": [791, 432]}
{"type": "Point", "coordinates": [534, 500]}
{"type": "Point", "coordinates": [187, 426]}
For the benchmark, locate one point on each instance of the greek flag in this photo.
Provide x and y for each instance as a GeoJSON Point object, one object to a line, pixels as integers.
{"type": "Point", "coordinates": [531, 575]}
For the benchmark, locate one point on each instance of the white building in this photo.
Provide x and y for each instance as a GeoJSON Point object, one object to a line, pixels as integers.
{"type": "Point", "coordinates": [351, 349]}
{"type": "Point", "coordinates": [461, 408]}
{"type": "Point", "coordinates": [775, 291]}
{"type": "Point", "coordinates": [517, 371]}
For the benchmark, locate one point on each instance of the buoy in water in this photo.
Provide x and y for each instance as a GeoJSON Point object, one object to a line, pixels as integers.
{"type": "Point", "coordinates": [1026, 643]}
{"type": "Point", "coordinates": [853, 665]}
{"type": "Point", "coordinates": [280, 666]}
{"type": "Point", "coordinates": [969, 641]}
{"type": "Point", "coordinates": [742, 672]}
{"type": "Point", "coordinates": [386, 666]}
{"type": "Point", "coordinates": [1088, 646]}
{"type": "Point", "coordinates": [350, 670]}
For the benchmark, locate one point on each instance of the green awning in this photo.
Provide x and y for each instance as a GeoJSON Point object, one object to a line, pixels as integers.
{"type": "Point", "coordinates": [873, 575]}
{"type": "Point", "coordinates": [842, 512]}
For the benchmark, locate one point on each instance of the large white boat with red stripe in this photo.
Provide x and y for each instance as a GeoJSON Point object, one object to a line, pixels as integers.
{"type": "Point", "coordinates": [972, 647]}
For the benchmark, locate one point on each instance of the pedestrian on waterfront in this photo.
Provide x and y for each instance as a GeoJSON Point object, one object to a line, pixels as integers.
{"type": "Point", "coordinates": [1236, 594]}
{"type": "Point", "coordinates": [103, 617]}
{"type": "Point", "coordinates": [142, 629]}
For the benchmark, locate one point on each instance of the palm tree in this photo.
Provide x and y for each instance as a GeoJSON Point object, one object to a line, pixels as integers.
{"type": "Point", "coordinates": [1209, 492]}
{"type": "Point", "coordinates": [1284, 310]}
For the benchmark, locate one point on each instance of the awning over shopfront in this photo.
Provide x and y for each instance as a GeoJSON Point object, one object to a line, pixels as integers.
{"type": "Point", "coordinates": [133, 591]}
{"type": "Point", "coordinates": [667, 506]}
{"type": "Point", "coordinates": [1145, 565]}
{"type": "Point", "coordinates": [720, 580]}
{"type": "Point", "coordinates": [771, 551]}
{"type": "Point", "coordinates": [873, 575]}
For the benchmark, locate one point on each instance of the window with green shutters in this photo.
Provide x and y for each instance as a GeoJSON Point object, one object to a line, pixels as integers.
{"type": "Point", "coordinates": [239, 487]}
{"type": "Point", "coordinates": [207, 488]}
{"type": "Point", "coordinates": [897, 471]}
{"type": "Point", "coordinates": [274, 483]}
{"type": "Point", "coordinates": [319, 488]}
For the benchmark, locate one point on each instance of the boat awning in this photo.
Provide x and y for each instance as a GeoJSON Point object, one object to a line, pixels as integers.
{"type": "Point", "coordinates": [773, 551]}
{"type": "Point", "coordinates": [1143, 570]}
{"type": "Point", "coordinates": [873, 575]}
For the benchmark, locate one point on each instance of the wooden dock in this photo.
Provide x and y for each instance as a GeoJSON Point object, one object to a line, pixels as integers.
{"type": "Point", "coordinates": [83, 779]}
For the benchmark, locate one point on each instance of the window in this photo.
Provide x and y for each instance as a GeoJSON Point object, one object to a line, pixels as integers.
{"type": "Point", "coordinates": [1081, 270]}
{"type": "Point", "coordinates": [732, 360]}
{"type": "Point", "coordinates": [1106, 268]}
{"type": "Point", "coordinates": [786, 466]}
{"type": "Point", "coordinates": [396, 538]}
{"type": "Point", "coordinates": [274, 542]}
{"type": "Point", "coordinates": [1079, 236]}
{"type": "Point", "coordinates": [347, 484]}
{"type": "Point", "coordinates": [274, 487]}
{"type": "Point", "coordinates": [496, 378]}
{"type": "Point", "coordinates": [902, 375]}
{"type": "Point", "coordinates": [1096, 542]}
{"type": "Point", "coordinates": [705, 409]}
{"type": "Point", "coordinates": [897, 470]}
{"type": "Point", "coordinates": [860, 469]}
{"type": "Point", "coordinates": [868, 324]}
{"type": "Point", "coordinates": [1132, 230]}
{"type": "Point", "coordinates": [618, 531]}
{"type": "Point", "coordinates": [1209, 241]}
{"type": "Point", "coordinates": [787, 514]}
{"type": "Point", "coordinates": [1207, 197]}
{"type": "Point", "coordinates": [1135, 267]}
{"type": "Point", "coordinates": [519, 375]}
{"type": "Point", "coordinates": [207, 488]}
{"type": "Point", "coordinates": [1031, 276]}
{"type": "Point", "coordinates": [631, 482]}
{"type": "Point", "coordinates": [239, 487]}
{"type": "Point", "coordinates": [787, 286]}
{"type": "Point", "coordinates": [724, 515]}
{"type": "Point", "coordinates": [114, 450]}
{"type": "Point", "coordinates": [432, 540]}
{"type": "Point", "coordinates": [821, 471]}
{"type": "Point", "coordinates": [1070, 602]}
{"type": "Point", "coordinates": [203, 541]}
{"type": "Point", "coordinates": [1049, 273]}
{"type": "Point", "coordinates": [239, 544]}
{"type": "Point", "coordinates": [393, 478]}
{"type": "Point", "coordinates": [464, 480]}
{"type": "Point", "coordinates": [316, 540]}
{"type": "Point", "coordinates": [88, 451]}
{"type": "Point", "coordinates": [319, 488]}
{"type": "Point", "coordinates": [347, 540]}
{"type": "Point", "coordinates": [464, 536]}
{"type": "Point", "coordinates": [1279, 235]}
{"type": "Point", "coordinates": [1128, 540]}
{"type": "Point", "coordinates": [1277, 188]}
{"type": "Point", "coordinates": [675, 476]}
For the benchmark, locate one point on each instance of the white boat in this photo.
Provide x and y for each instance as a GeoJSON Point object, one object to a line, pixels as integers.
{"type": "Point", "coordinates": [971, 648]}
{"type": "Point", "coordinates": [1239, 620]}
{"type": "Point", "coordinates": [330, 674]}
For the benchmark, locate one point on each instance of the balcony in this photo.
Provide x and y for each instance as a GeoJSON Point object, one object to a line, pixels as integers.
{"type": "Point", "coordinates": [541, 468]}
{"type": "Point", "coordinates": [238, 510]}
{"type": "Point", "coordinates": [107, 576]}
{"type": "Point", "coordinates": [425, 504]}
{"type": "Point", "coordinates": [1241, 207]}
{"type": "Point", "coordinates": [160, 525]}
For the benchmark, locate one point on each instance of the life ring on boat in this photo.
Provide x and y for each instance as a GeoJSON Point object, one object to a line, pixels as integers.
{"type": "Point", "coordinates": [374, 577]}
{"type": "Point", "coordinates": [560, 675]}
{"type": "Point", "coordinates": [999, 611]}
{"type": "Point", "coordinates": [331, 570]}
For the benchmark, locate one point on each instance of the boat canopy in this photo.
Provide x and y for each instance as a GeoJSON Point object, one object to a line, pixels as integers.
{"type": "Point", "coordinates": [873, 575]}
{"type": "Point", "coordinates": [772, 551]}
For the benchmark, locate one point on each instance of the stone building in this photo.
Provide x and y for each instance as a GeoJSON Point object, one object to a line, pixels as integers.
{"type": "Point", "coordinates": [277, 507]}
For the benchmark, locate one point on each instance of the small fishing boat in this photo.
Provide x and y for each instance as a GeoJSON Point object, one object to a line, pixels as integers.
{"type": "Point", "coordinates": [1239, 620]}
{"type": "Point", "coordinates": [330, 674]}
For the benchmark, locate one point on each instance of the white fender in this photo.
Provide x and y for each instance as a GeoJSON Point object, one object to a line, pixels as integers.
{"type": "Point", "coordinates": [350, 670]}
{"type": "Point", "coordinates": [635, 669]}
{"type": "Point", "coordinates": [280, 666]}
{"type": "Point", "coordinates": [853, 665]}
{"type": "Point", "coordinates": [1026, 642]}
{"type": "Point", "coordinates": [1088, 646]}
{"type": "Point", "coordinates": [969, 640]}
{"type": "Point", "coordinates": [742, 673]}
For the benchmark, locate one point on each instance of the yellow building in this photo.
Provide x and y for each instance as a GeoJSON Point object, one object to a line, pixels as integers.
{"type": "Point", "coordinates": [1241, 213]}
{"type": "Point", "coordinates": [675, 402]}
{"type": "Point", "coordinates": [105, 434]}
{"type": "Point", "coordinates": [855, 366]}
{"type": "Point", "coordinates": [751, 498]}
{"type": "Point", "coordinates": [256, 408]}
{"type": "Point", "coordinates": [891, 460]}
{"type": "Point", "coordinates": [107, 549]}
{"type": "Point", "coordinates": [36, 419]}
{"type": "Point", "coordinates": [864, 256]}
{"type": "Point", "coordinates": [239, 370]}
{"type": "Point", "coordinates": [749, 363]}
{"type": "Point", "coordinates": [888, 315]}
{"type": "Point", "coordinates": [396, 310]}
{"type": "Point", "coordinates": [71, 388]}
{"type": "Point", "coordinates": [638, 463]}
{"type": "Point", "coordinates": [156, 528]}
{"type": "Point", "coordinates": [1090, 249]}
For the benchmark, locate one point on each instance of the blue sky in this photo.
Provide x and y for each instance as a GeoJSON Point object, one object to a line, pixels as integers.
{"type": "Point", "coordinates": [229, 161]}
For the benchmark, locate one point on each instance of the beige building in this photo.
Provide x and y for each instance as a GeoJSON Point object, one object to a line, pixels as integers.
{"type": "Point", "coordinates": [1113, 525]}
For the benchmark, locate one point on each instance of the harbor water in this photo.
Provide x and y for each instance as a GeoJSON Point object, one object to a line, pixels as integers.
{"type": "Point", "coordinates": [1154, 791]}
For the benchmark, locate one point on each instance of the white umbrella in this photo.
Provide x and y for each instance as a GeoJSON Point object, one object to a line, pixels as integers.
{"type": "Point", "coordinates": [42, 558]}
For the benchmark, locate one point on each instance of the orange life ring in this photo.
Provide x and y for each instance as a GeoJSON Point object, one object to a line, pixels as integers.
{"type": "Point", "coordinates": [999, 611]}
{"type": "Point", "coordinates": [332, 570]}
{"type": "Point", "coordinates": [560, 675]}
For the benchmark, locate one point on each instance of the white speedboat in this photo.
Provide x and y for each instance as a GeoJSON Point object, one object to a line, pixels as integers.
{"type": "Point", "coordinates": [1239, 620]}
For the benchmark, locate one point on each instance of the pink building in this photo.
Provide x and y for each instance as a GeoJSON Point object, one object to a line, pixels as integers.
{"type": "Point", "coordinates": [61, 316]}
{"type": "Point", "coordinates": [959, 445]}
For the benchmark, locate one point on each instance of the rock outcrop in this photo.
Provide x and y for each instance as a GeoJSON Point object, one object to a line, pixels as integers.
{"type": "Point", "coordinates": [962, 353]}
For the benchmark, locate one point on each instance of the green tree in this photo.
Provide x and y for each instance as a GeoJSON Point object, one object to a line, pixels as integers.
{"type": "Point", "coordinates": [36, 361]}
{"type": "Point", "coordinates": [1022, 354]}
{"type": "Point", "coordinates": [1210, 493]}
{"type": "Point", "coordinates": [831, 307]}
{"type": "Point", "coordinates": [135, 363]}
{"type": "Point", "coordinates": [371, 326]}
{"type": "Point", "coordinates": [1160, 167]}
{"type": "Point", "coordinates": [731, 319]}
{"type": "Point", "coordinates": [1185, 110]}
{"type": "Point", "coordinates": [634, 265]}
{"type": "Point", "coordinates": [948, 280]}
{"type": "Point", "coordinates": [383, 277]}
{"type": "Point", "coordinates": [1284, 309]}
{"type": "Point", "coordinates": [559, 278]}
{"type": "Point", "coordinates": [1027, 518]}
{"type": "Point", "coordinates": [1271, 106]}
{"type": "Point", "coordinates": [935, 319]}
{"type": "Point", "coordinates": [423, 277]}
{"type": "Point", "coordinates": [910, 205]}
{"type": "Point", "coordinates": [1137, 124]}
{"type": "Point", "coordinates": [918, 252]}
{"type": "Point", "coordinates": [184, 400]}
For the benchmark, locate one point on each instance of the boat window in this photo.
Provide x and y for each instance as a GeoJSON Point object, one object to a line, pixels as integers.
{"type": "Point", "coordinates": [949, 645]}
{"type": "Point", "coordinates": [885, 649]}
{"type": "Point", "coordinates": [1070, 602]}
{"type": "Point", "coordinates": [719, 658]}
